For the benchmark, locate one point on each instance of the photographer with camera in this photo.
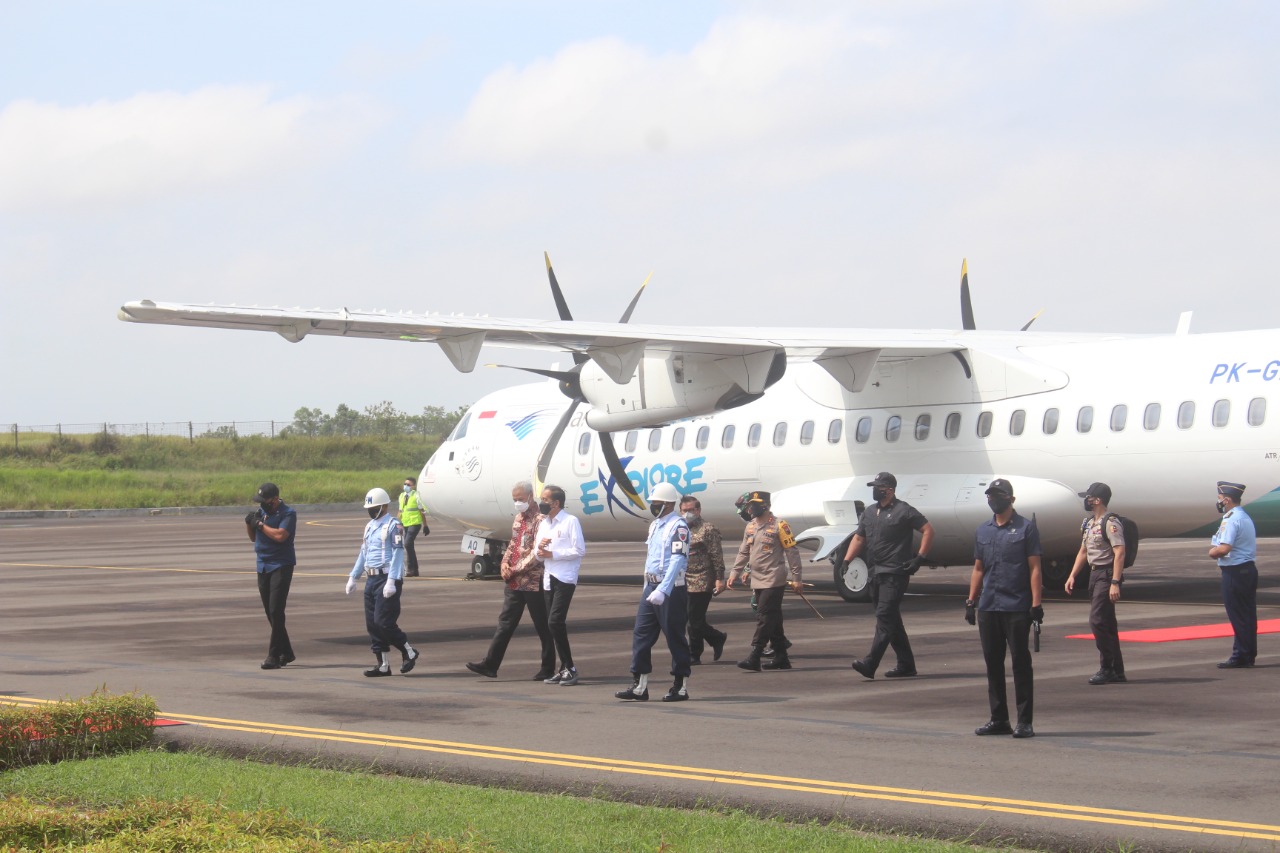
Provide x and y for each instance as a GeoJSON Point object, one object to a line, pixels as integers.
{"type": "Point", "coordinates": [271, 530]}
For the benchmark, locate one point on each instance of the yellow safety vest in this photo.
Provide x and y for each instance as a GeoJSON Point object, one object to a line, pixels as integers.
{"type": "Point", "coordinates": [411, 511]}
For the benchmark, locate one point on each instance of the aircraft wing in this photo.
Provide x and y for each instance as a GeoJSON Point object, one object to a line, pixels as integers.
{"type": "Point", "coordinates": [846, 353]}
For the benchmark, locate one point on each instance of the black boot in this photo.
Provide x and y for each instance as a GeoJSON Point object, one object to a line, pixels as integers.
{"type": "Point", "coordinates": [382, 668]}
{"type": "Point", "coordinates": [679, 691]}
{"type": "Point", "coordinates": [780, 660]}
{"type": "Point", "coordinates": [752, 662]}
{"type": "Point", "coordinates": [638, 691]}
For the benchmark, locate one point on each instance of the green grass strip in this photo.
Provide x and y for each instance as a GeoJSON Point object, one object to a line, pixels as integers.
{"type": "Point", "coordinates": [364, 806]}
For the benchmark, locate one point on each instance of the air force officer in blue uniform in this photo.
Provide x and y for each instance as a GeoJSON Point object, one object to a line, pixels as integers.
{"type": "Point", "coordinates": [381, 559]}
{"type": "Point", "coordinates": [664, 604]}
{"type": "Point", "coordinates": [1235, 547]}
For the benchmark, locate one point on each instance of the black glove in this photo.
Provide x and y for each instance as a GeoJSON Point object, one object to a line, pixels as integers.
{"type": "Point", "coordinates": [1037, 614]}
{"type": "Point", "coordinates": [971, 613]}
{"type": "Point", "coordinates": [914, 564]}
{"type": "Point", "coordinates": [842, 566]}
{"type": "Point", "coordinates": [426, 531]}
{"type": "Point", "coordinates": [251, 519]}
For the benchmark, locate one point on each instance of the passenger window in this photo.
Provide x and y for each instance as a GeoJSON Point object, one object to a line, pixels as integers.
{"type": "Point", "coordinates": [460, 431]}
{"type": "Point", "coordinates": [1119, 417]}
{"type": "Point", "coordinates": [893, 428]}
{"type": "Point", "coordinates": [952, 427]}
{"type": "Point", "coordinates": [835, 431]}
{"type": "Point", "coordinates": [1186, 415]}
{"type": "Point", "coordinates": [780, 434]}
{"type": "Point", "coordinates": [633, 437]}
{"type": "Point", "coordinates": [1151, 416]}
{"type": "Point", "coordinates": [806, 432]}
{"type": "Point", "coordinates": [1221, 413]}
{"type": "Point", "coordinates": [704, 435]}
{"type": "Point", "coordinates": [1084, 420]}
{"type": "Point", "coordinates": [862, 432]}
{"type": "Point", "coordinates": [1050, 422]}
{"type": "Point", "coordinates": [1257, 411]}
{"type": "Point", "coordinates": [984, 424]}
{"type": "Point", "coordinates": [726, 437]}
{"type": "Point", "coordinates": [655, 439]}
{"type": "Point", "coordinates": [922, 427]}
{"type": "Point", "coordinates": [677, 439]}
{"type": "Point", "coordinates": [1017, 421]}
{"type": "Point", "coordinates": [753, 436]}
{"type": "Point", "coordinates": [584, 444]}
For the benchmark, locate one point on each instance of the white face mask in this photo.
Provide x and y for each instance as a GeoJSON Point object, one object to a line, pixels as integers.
{"type": "Point", "coordinates": [408, 489]}
{"type": "Point", "coordinates": [521, 507]}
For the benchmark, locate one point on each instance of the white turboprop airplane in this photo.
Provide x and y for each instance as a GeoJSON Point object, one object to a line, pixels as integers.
{"type": "Point", "coordinates": [812, 415]}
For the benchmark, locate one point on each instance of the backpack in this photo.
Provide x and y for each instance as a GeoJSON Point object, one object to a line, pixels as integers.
{"type": "Point", "coordinates": [1130, 530]}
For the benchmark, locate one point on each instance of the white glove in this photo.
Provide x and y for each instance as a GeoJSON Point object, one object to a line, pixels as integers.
{"type": "Point", "coordinates": [657, 597]}
{"type": "Point", "coordinates": [351, 584]}
{"type": "Point", "coordinates": [389, 589]}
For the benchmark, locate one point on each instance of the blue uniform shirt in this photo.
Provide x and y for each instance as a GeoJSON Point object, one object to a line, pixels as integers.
{"type": "Point", "coordinates": [1237, 531]}
{"type": "Point", "coordinates": [1006, 579]}
{"type": "Point", "coordinates": [382, 550]}
{"type": "Point", "coordinates": [274, 555]}
{"type": "Point", "coordinates": [667, 556]}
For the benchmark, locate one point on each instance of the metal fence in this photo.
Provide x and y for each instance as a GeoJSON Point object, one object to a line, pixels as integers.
{"type": "Point", "coordinates": [190, 430]}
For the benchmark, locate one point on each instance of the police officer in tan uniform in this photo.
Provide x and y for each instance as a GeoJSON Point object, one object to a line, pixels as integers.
{"type": "Point", "coordinates": [769, 548]}
{"type": "Point", "coordinates": [1102, 546]}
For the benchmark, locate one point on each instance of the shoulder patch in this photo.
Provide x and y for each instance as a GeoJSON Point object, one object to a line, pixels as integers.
{"type": "Point", "coordinates": [785, 537]}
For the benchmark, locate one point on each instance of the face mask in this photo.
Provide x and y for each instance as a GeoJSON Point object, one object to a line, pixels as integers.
{"type": "Point", "coordinates": [998, 503]}
{"type": "Point", "coordinates": [1088, 504]}
{"type": "Point", "coordinates": [408, 489]}
{"type": "Point", "coordinates": [1221, 507]}
{"type": "Point", "coordinates": [521, 507]}
{"type": "Point", "coordinates": [374, 511]}
{"type": "Point", "coordinates": [656, 509]}
{"type": "Point", "coordinates": [878, 493]}
{"type": "Point", "coordinates": [544, 507]}
{"type": "Point", "coordinates": [744, 515]}
{"type": "Point", "coordinates": [756, 510]}
{"type": "Point", "coordinates": [692, 519]}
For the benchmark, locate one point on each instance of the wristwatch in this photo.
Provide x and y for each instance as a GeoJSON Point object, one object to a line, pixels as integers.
{"type": "Point", "coordinates": [1117, 582]}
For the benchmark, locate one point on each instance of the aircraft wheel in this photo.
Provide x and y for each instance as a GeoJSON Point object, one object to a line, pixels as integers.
{"type": "Point", "coordinates": [1056, 572]}
{"type": "Point", "coordinates": [854, 584]}
{"type": "Point", "coordinates": [479, 565]}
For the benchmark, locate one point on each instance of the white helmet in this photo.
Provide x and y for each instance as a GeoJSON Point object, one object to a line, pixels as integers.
{"type": "Point", "coordinates": [665, 492]}
{"type": "Point", "coordinates": [376, 497]}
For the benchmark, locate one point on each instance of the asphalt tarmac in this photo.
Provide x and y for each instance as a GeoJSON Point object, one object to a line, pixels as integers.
{"type": "Point", "coordinates": [1184, 756]}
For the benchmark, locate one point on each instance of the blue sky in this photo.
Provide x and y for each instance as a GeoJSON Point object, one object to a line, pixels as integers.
{"type": "Point", "coordinates": [808, 163]}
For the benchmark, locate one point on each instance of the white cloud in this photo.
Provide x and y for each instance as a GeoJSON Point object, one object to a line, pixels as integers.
{"type": "Point", "coordinates": [158, 143]}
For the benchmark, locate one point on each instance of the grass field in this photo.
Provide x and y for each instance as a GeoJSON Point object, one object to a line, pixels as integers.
{"type": "Point", "coordinates": [113, 472]}
{"type": "Point", "coordinates": [356, 806]}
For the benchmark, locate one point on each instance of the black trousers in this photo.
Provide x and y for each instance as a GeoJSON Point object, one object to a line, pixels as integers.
{"type": "Point", "coordinates": [700, 630]}
{"type": "Point", "coordinates": [381, 615]}
{"type": "Point", "coordinates": [887, 590]}
{"type": "Point", "coordinates": [1102, 619]}
{"type": "Point", "coordinates": [558, 599]}
{"type": "Point", "coordinates": [668, 619]}
{"type": "Point", "coordinates": [1000, 630]}
{"type": "Point", "coordinates": [1240, 596]}
{"type": "Point", "coordinates": [411, 556]}
{"type": "Point", "coordinates": [514, 602]}
{"type": "Point", "coordinates": [273, 588]}
{"type": "Point", "coordinates": [769, 620]}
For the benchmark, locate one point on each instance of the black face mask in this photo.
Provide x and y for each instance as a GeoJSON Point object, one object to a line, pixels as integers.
{"type": "Point", "coordinates": [998, 503]}
{"type": "Point", "coordinates": [1221, 507]}
{"type": "Point", "coordinates": [1088, 504]}
{"type": "Point", "coordinates": [544, 507]}
{"type": "Point", "coordinates": [374, 511]}
{"type": "Point", "coordinates": [878, 493]}
{"type": "Point", "coordinates": [656, 509]}
{"type": "Point", "coordinates": [756, 510]}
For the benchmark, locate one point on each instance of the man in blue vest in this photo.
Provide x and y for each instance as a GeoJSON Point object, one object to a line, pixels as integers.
{"type": "Point", "coordinates": [271, 529]}
{"type": "Point", "coordinates": [1235, 547]}
{"type": "Point", "coordinates": [381, 558]}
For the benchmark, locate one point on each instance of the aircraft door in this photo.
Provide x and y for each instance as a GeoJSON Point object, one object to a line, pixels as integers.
{"type": "Point", "coordinates": [584, 454]}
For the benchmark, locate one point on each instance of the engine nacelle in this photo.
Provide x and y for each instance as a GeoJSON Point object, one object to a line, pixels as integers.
{"type": "Point", "coordinates": [673, 386]}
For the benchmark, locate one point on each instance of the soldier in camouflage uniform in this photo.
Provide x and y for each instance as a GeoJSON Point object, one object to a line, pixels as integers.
{"type": "Point", "coordinates": [769, 547]}
{"type": "Point", "coordinates": [704, 578]}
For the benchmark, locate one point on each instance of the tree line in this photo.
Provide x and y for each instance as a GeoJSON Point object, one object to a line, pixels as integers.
{"type": "Point", "coordinates": [381, 420]}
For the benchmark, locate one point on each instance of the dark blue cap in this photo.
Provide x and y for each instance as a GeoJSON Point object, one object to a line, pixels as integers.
{"type": "Point", "coordinates": [1235, 491]}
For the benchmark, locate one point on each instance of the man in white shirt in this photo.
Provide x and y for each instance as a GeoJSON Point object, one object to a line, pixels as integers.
{"type": "Point", "coordinates": [561, 548]}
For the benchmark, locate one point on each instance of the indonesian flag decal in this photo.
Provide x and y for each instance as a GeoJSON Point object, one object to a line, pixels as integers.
{"type": "Point", "coordinates": [488, 414]}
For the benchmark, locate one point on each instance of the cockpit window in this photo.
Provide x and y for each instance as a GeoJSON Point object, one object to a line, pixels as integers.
{"type": "Point", "coordinates": [460, 431]}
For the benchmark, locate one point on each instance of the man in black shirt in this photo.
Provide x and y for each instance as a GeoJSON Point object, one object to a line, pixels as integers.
{"type": "Point", "coordinates": [886, 532]}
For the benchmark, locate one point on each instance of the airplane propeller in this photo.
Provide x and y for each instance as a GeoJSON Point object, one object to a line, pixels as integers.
{"type": "Point", "coordinates": [571, 386]}
{"type": "Point", "coordinates": [966, 302]}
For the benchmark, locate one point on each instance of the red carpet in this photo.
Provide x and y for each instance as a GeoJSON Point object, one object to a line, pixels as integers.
{"type": "Point", "coordinates": [1189, 632]}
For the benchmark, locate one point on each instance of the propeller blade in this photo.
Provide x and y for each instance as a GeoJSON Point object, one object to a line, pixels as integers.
{"type": "Point", "coordinates": [966, 304]}
{"type": "Point", "coordinates": [562, 375]}
{"type": "Point", "coordinates": [1032, 320]}
{"type": "Point", "coordinates": [619, 473]}
{"type": "Point", "coordinates": [562, 307]}
{"type": "Point", "coordinates": [549, 449]}
{"type": "Point", "coordinates": [626, 315]}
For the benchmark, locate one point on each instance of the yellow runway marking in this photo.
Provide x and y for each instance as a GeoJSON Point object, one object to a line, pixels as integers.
{"type": "Point", "coordinates": [1032, 808]}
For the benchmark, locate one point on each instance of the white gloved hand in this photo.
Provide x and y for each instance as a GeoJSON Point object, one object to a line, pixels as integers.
{"type": "Point", "coordinates": [389, 589]}
{"type": "Point", "coordinates": [351, 584]}
{"type": "Point", "coordinates": [657, 597]}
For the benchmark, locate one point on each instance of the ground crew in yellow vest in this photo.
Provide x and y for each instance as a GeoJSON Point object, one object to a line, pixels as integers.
{"type": "Point", "coordinates": [413, 518]}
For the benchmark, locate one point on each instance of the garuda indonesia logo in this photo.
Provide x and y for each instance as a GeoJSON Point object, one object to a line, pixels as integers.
{"type": "Point", "coordinates": [527, 424]}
